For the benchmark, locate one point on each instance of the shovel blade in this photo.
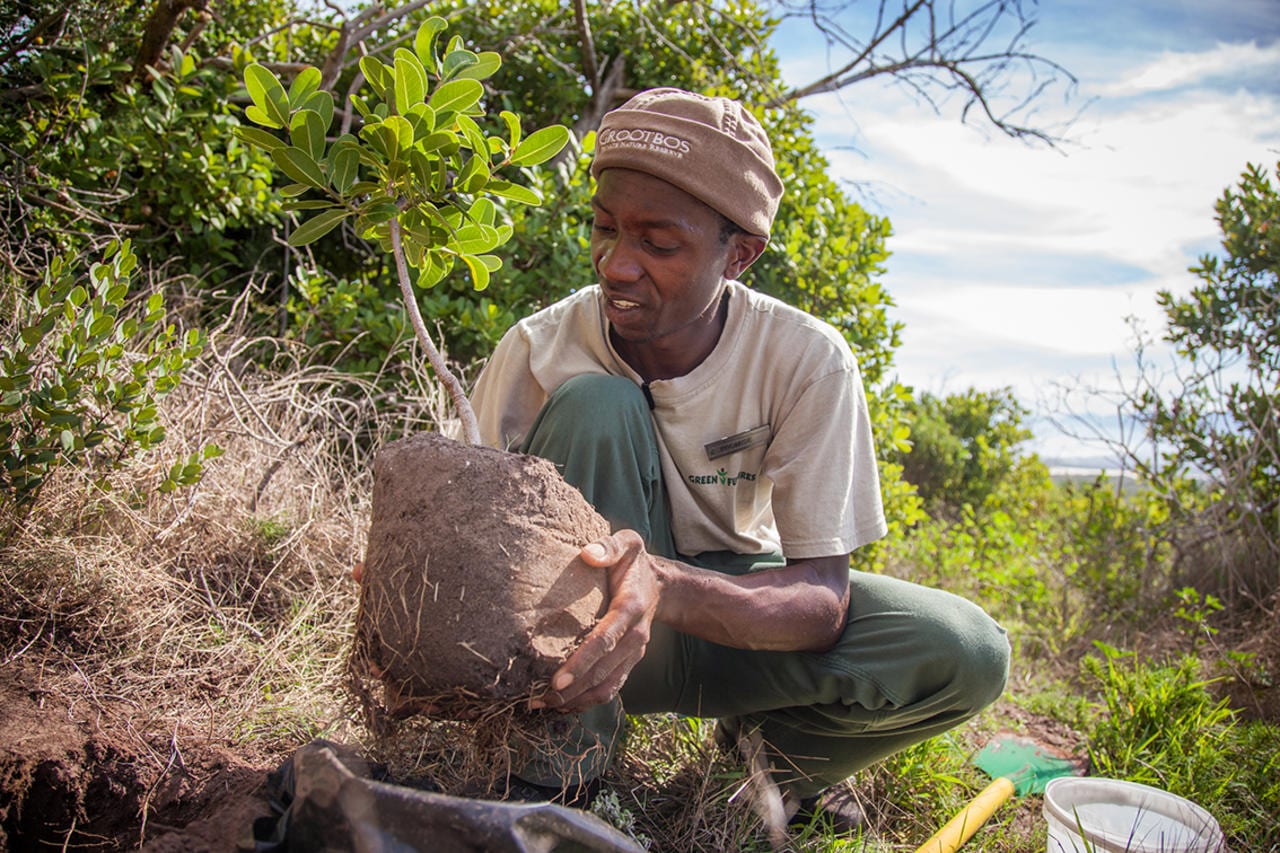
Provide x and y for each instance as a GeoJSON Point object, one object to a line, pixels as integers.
{"type": "Point", "coordinates": [1025, 763]}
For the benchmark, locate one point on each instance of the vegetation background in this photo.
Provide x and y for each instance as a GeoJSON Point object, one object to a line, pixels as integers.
{"type": "Point", "coordinates": [190, 405]}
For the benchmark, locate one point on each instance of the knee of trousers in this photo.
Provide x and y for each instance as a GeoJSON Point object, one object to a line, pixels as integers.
{"type": "Point", "coordinates": [594, 402]}
{"type": "Point", "coordinates": [976, 649]}
{"type": "Point", "coordinates": [599, 389]}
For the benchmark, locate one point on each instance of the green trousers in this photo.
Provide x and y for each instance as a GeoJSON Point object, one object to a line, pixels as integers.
{"type": "Point", "coordinates": [912, 662]}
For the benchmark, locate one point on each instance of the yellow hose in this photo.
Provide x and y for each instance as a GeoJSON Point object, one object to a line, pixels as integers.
{"type": "Point", "coordinates": [970, 819]}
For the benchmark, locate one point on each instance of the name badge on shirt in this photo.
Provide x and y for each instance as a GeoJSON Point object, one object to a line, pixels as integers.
{"type": "Point", "coordinates": [738, 441]}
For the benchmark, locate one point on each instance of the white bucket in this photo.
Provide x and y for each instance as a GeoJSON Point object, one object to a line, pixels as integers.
{"type": "Point", "coordinates": [1110, 816]}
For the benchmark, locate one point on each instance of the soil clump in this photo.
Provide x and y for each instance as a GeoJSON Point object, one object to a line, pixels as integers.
{"type": "Point", "coordinates": [473, 590]}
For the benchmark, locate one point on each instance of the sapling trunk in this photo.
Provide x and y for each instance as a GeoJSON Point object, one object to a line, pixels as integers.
{"type": "Point", "coordinates": [470, 428]}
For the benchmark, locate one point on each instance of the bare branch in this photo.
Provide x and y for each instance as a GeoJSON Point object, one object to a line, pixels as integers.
{"type": "Point", "coordinates": [164, 17]}
{"type": "Point", "coordinates": [588, 45]}
{"type": "Point", "coordinates": [937, 50]}
{"type": "Point", "coordinates": [832, 81]}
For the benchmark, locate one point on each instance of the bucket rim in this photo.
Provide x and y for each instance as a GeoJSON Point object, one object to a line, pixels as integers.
{"type": "Point", "coordinates": [1208, 834]}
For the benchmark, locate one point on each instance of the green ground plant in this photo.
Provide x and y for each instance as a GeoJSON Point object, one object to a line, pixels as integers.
{"type": "Point", "coordinates": [82, 376]}
{"type": "Point", "coordinates": [1159, 724]}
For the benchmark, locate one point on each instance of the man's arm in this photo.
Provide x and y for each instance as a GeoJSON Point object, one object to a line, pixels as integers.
{"type": "Point", "coordinates": [801, 606]}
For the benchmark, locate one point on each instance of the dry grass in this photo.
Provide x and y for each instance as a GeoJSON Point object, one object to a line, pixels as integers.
{"type": "Point", "coordinates": [224, 608]}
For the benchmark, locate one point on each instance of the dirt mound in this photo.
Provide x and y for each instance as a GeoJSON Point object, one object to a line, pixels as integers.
{"type": "Point", "coordinates": [473, 590]}
{"type": "Point", "coordinates": [74, 775]}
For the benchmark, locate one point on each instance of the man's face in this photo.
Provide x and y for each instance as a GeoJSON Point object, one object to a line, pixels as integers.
{"type": "Point", "coordinates": [659, 258]}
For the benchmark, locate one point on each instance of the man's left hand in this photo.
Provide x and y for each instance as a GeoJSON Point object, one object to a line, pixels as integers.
{"type": "Point", "coordinates": [596, 671]}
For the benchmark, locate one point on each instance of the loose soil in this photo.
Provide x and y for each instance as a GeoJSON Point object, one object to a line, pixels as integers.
{"type": "Point", "coordinates": [473, 589]}
{"type": "Point", "coordinates": [75, 774]}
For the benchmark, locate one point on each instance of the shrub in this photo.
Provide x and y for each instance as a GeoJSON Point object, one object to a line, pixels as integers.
{"type": "Point", "coordinates": [81, 377]}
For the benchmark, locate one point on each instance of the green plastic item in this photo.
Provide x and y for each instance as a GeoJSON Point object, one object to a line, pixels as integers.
{"type": "Point", "coordinates": [1025, 763]}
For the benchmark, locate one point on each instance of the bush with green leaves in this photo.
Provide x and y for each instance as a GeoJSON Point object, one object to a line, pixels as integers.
{"type": "Point", "coordinates": [419, 178]}
{"type": "Point", "coordinates": [82, 375]}
{"type": "Point", "coordinates": [1211, 447]}
{"type": "Point", "coordinates": [965, 447]}
{"type": "Point", "coordinates": [96, 155]}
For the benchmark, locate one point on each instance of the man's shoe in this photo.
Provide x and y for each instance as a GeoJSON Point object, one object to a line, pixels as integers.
{"type": "Point", "coordinates": [837, 806]}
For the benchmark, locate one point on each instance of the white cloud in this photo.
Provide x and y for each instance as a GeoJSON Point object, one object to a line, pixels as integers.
{"type": "Point", "coordinates": [1138, 187]}
{"type": "Point", "coordinates": [1174, 69]}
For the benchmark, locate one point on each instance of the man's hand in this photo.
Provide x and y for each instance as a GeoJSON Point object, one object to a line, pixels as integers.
{"type": "Point", "coordinates": [597, 670]}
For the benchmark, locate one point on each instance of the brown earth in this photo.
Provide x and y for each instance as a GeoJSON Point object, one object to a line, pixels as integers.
{"type": "Point", "coordinates": [462, 604]}
{"type": "Point", "coordinates": [75, 774]}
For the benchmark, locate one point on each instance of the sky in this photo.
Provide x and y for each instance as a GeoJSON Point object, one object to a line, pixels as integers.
{"type": "Point", "coordinates": [1018, 265]}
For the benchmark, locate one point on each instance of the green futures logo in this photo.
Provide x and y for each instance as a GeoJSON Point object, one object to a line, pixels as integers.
{"type": "Point", "coordinates": [721, 477]}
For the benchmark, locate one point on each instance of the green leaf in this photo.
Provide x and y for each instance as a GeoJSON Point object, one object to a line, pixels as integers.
{"type": "Point", "coordinates": [474, 136]}
{"type": "Point", "coordinates": [424, 42]}
{"type": "Point", "coordinates": [267, 93]}
{"type": "Point", "coordinates": [403, 131]}
{"type": "Point", "coordinates": [346, 165]}
{"type": "Point", "coordinates": [442, 140]}
{"type": "Point", "coordinates": [437, 266]}
{"type": "Point", "coordinates": [322, 103]}
{"type": "Point", "coordinates": [260, 138]}
{"type": "Point", "coordinates": [379, 210]}
{"type": "Point", "coordinates": [421, 165]}
{"type": "Point", "coordinates": [457, 61]}
{"type": "Point", "coordinates": [456, 96]}
{"type": "Point", "coordinates": [474, 175]}
{"type": "Point", "coordinates": [474, 239]}
{"type": "Point", "coordinates": [361, 106]}
{"type": "Point", "coordinates": [515, 192]}
{"type": "Point", "coordinates": [377, 75]}
{"type": "Point", "coordinates": [423, 119]}
{"type": "Point", "coordinates": [101, 326]}
{"type": "Point", "coordinates": [541, 146]}
{"type": "Point", "coordinates": [486, 65]}
{"type": "Point", "coordinates": [482, 211]}
{"type": "Point", "coordinates": [258, 115]}
{"type": "Point", "coordinates": [513, 127]}
{"type": "Point", "coordinates": [259, 80]}
{"type": "Point", "coordinates": [411, 80]}
{"type": "Point", "coordinates": [479, 272]}
{"type": "Point", "coordinates": [299, 165]}
{"type": "Point", "coordinates": [382, 141]}
{"type": "Point", "coordinates": [306, 131]}
{"type": "Point", "coordinates": [318, 226]}
{"type": "Point", "coordinates": [303, 86]}
{"type": "Point", "coordinates": [492, 262]}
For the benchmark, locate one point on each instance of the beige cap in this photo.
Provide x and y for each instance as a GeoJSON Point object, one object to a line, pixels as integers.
{"type": "Point", "coordinates": [711, 148]}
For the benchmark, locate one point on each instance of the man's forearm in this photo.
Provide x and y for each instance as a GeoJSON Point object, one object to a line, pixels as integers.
{"type": "Point", "coordinates": [798, 607]}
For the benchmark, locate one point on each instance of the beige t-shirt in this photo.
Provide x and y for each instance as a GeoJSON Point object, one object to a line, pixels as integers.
{"type": "Point", "coordinates": [766, 446]}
